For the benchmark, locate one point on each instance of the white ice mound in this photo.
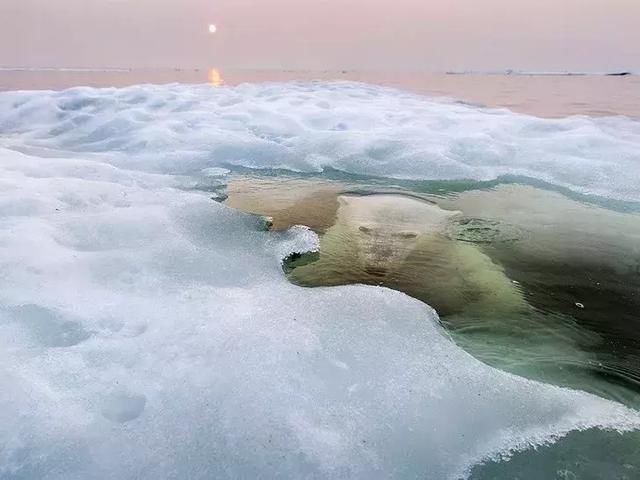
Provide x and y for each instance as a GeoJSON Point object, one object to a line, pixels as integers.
{"type": "Point", "coordinates": [149, 333]}
{"type": "Point", "coordinates": [308, 127]}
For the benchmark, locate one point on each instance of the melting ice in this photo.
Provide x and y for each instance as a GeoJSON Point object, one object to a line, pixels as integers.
{"type": "Point", "coordinates": [147, 332]}
{"type": "Point", "coordinates": [309, 127]}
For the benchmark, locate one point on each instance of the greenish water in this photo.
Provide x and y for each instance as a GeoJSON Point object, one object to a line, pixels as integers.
{"type": "Point", "coordinates": [528, 280]}
{"type": "Point", "coordinates": [589, 455]}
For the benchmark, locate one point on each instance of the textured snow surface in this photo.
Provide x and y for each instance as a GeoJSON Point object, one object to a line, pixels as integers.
{"type": "Point", "coordinates": [307, 127]}
{"type": "Point", "coordinates": [147, 332]}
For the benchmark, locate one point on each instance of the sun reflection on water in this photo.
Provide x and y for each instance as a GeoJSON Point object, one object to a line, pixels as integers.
{"type": "Point", "coordinates": [215, 77]}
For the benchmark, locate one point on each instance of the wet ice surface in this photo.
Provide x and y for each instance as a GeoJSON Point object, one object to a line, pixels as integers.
{"type": "Point", "coordinates": [148, 332]}
{"type": "Point", "coordinates": [347, 126]}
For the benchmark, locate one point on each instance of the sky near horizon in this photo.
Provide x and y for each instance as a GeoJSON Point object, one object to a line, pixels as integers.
{"type": "Point", "coordinates": [410, 35]}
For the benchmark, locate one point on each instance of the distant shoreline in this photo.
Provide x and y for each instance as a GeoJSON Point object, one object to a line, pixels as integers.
{"type": "Point", "coordinates": [547, 74]}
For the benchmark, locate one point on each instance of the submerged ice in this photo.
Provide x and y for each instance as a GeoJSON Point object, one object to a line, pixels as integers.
{"type": "Point", "coordinates": [147, 332]}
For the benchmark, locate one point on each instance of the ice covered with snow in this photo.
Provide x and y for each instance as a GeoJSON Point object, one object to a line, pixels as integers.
{"type": "Point", "coordinates": [148, 332]}
{"type": "Point", "coordinates": [308, 127]}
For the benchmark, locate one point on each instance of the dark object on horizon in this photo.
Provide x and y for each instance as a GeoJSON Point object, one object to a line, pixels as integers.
{"type": "Point", "coordinates": [619, 74]}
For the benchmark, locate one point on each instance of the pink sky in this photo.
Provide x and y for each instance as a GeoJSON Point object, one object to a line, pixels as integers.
{"type": "Point", "coordinates": [431, 35]}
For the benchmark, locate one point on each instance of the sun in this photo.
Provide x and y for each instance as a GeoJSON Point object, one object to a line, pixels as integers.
{"type": "Point", "coordinates": [212, 28]}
